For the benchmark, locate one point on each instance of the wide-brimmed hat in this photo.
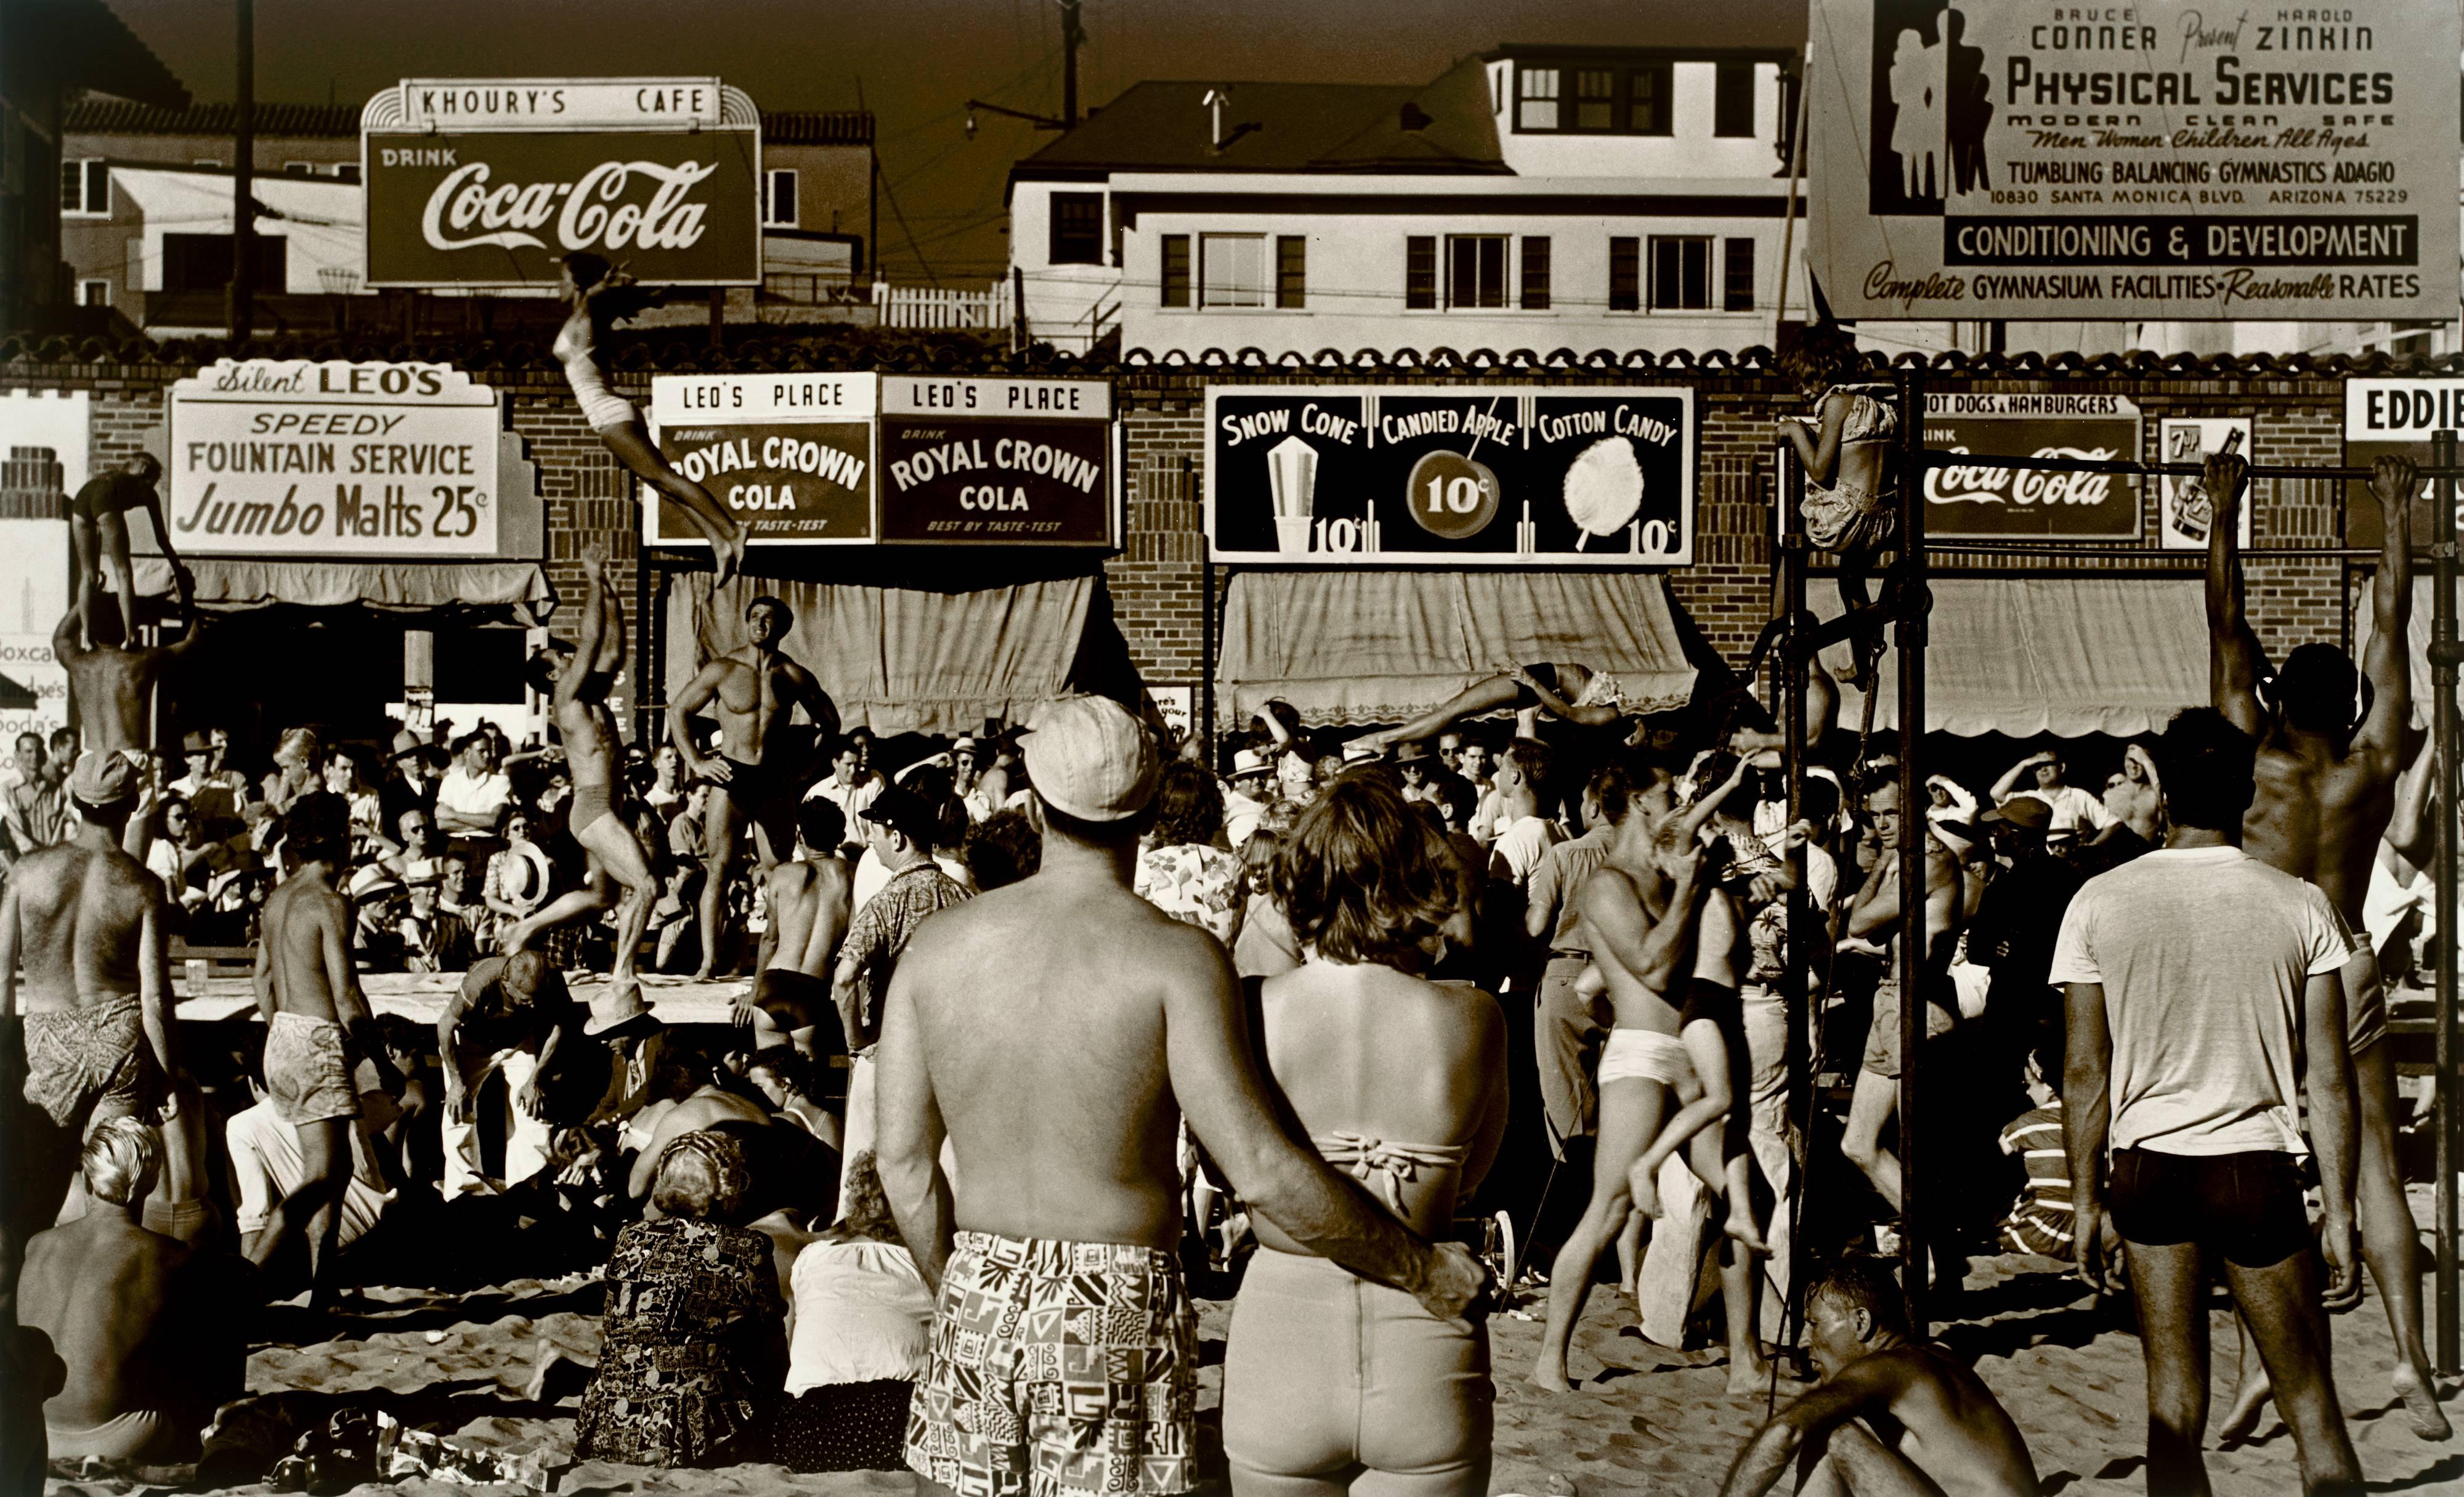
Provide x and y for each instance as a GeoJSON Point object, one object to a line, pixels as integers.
{"type": "Point", "coordinates": [2026, 812]}
{"type": "Point", "coordinates": [1415, 752]}
{"type": "Point", "coordinates": [616, 1008]}
{"type": "Point", "coordinates": [406, 742]}
{"type": "Point", "coordinates": [1249, 761]}
{"type": "Point", "coordinates": [196, 744]}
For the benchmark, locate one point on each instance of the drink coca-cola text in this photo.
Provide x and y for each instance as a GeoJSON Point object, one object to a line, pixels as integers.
{"type": "Point", "coordinates": [583, 216]}
{"type": "Point", "coordinates": [1980, 484]}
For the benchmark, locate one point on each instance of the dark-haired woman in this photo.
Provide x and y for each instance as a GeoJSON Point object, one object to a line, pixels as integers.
{"type": "Point", "coordinates": [601, 294]}
{"type": "Point", "coordinates": [1399, 1082]}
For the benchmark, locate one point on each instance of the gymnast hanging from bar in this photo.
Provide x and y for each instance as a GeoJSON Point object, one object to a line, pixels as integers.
{"type": "Point", "coordinates": [600, 295]}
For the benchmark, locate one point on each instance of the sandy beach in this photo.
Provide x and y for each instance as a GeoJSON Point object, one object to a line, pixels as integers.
{"type": "Point", "coordinates": [1643, 1419]}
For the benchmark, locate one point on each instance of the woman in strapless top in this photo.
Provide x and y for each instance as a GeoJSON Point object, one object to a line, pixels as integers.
{"type": "Point", "coordinates": [1332, 1382]}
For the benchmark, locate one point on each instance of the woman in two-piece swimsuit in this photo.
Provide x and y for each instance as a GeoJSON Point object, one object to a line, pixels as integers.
{"type": "Point", "coordinates": [1332, 1382]}
{"type": "Point", "coordinates": [602, 294]}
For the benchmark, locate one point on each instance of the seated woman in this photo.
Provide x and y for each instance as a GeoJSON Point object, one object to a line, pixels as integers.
{"type": "Point", "coordinates": [696, 1335]}
{"type": "Point", "coordinates": [1578, 693]}
{"type": "Point", "coordinates": [601, 294]}
{"type": "Point", "coordinates": [858, 1327]}
{"type": "Point", "coordinates": [1329, 1378]}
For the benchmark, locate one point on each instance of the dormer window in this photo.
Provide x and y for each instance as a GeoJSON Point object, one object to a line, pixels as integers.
{"type": "Point", "coordinates": [1595, 98]}
{"type": "Point", "coordinates": [1606, 99]}
{"type": "Point", "coordinates": [1536, 99]}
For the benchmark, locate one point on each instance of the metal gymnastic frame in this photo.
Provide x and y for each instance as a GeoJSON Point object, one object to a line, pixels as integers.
{"type": "Point", "coordinates": [1905, 603]}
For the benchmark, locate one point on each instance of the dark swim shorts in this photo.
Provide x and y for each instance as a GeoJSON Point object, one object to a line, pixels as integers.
{"type": "Point", "coordinates": [2246, 1208]}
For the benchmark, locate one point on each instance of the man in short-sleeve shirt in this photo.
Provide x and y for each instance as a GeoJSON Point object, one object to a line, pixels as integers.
{"type": "Point", "coordinates": [2203, 1007]}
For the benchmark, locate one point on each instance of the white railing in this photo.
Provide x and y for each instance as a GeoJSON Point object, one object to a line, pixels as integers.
{"type": "Point", "coordinates": [931, 307]}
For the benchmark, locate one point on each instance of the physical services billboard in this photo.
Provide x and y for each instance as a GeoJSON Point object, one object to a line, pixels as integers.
{"type": "Point", "coordinates": [2168, 159]}
{"type": "Point", "coordinates": [486, 181]}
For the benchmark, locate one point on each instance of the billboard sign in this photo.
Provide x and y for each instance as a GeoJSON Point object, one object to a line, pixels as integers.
{"type": "Point", "coordinates": [2395, 418]}
{"type": "Point", "coordinates": [1975, 499]}
{"type": "Point", "coordinates": [2166, 160]}
{"type": "Point", "coordinates": [789, 454]}
{"type": "Point", "coordinates": [488, 181]}
{"type": "Point", "coordinates": [1417, 476]}
{"type": "Point", "coordinates": [2188, 508]}
{"type": "Point", "coordinates": [998, 462]}
{"type": "Point", "coordinates": [300, 457]}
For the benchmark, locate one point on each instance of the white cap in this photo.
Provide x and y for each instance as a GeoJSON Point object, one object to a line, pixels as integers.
{"type": "Point", "coordinates": [1090, 759]}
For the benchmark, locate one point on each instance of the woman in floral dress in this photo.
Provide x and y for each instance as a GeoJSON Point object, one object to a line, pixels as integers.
{"type": "Point", "coordinates": [1183, 872]}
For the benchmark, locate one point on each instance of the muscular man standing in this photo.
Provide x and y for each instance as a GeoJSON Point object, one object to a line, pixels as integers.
{"type": "Point", "coordinates": [752, 691]}
{"type": "Point", "coordinates": [2326, 788]}
{"type": "Point", "coordinates": [85, 920]}
{"type": "Point", "coordinates": [809, 913]}
{"type": "Point", "coordinates": [594, 755]}
{"type": "Point", "coordinates": [111, 686]}
{"type": "Point", "coordinates": [1056, 1030]}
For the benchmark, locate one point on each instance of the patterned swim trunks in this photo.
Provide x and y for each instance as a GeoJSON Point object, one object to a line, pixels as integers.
{"type": "Point", "coordinates": [96, 1053]}
{"type": "Point", "coordinates": [1058, 1367]}
{"type": "Point", "coordinates": [308, 1069]}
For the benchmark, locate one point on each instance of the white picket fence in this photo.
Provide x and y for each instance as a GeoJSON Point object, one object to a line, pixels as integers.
{"type": "Point", "coordinates": [932, 307]}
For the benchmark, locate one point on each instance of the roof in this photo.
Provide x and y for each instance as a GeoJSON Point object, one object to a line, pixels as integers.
{"type": "Point", "coordinates": [1682, 26]}
{"type": "Point", "coordinates": [102, 116]}
{"type": "Point", "coordinates": [1284, 127]}
{"type": "Point", "coordinates": [83, 43]}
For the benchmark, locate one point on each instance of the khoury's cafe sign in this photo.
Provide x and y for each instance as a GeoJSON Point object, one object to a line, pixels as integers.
{"type": "Point", "coordinates": [487, 182]}
{"type": "Point", "coordinates": [295, 458]}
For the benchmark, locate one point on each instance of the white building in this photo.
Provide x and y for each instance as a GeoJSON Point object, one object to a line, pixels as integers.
{"type": "Point", "coordinates": [1536, 198]}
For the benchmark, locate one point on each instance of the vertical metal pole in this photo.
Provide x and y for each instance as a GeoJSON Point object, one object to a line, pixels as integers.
{"type": "Point", "coordinates": [1911, 629]}
{"type": "Point", "coordinates": [2442, 666]}
{"type": "Point", "coordinates": [1789, 551]}
{"type": "Point", "coordinates": [1206, 629]}
{"type": "Point", "coordinates": [645, 726]}
{"type": "Point", "coordinates": [240, 310]}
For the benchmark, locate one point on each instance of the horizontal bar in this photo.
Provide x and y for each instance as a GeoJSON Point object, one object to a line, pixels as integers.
{"type": "Point", "coordinates": [2126, 550]}
{"type": "Point", "coordinates": [1937, 457]}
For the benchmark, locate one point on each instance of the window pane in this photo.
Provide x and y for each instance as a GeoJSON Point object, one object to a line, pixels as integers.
{"type": "Point", "coordinates": [1538, 107]}
{"type": "Point", "coordinates": [1476, 271]}
{"type": "Point", "coordinates": [1535, 273]}
{"type": "Point", "coordinates": [1077, 229]}
{"type": "Point", "coordinates": [1681, 273]}
{"type": "Point", "coordinates": [97, 186]}
{"type": "Point", "coordinates": [1176, 270]}
{"type": "Point", "coordinates": [1698, 273]}
{"type": "Point", "coordinates": [1737, 276]}
{"type": "Point", "coordinates": [1732, 99]}
{"type": "Point", "coordinates": [1420, 273]}
{"type": "Point", "coordinates": [1291, 271]}
{"type": "Point", "coordinates": [1492, 273]}
{"type": "Point", "coordinates": [1625, 289]}
{"type": "Point", "coordinates": [1232, 270]}
{"type": "Point", "coordinates": [1649, 100]}
{"type": "Point", "coordinates": [72, 187]}
{"type": "Point", "coordinates": [1594, 100]}
{"type": "Point", "coordinates": [783, 198]}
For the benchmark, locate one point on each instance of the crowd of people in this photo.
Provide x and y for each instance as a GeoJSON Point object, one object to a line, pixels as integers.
{"type": "Point", "coordinates": [1019, 1018]}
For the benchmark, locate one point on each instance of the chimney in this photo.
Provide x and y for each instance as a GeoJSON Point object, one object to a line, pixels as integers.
{"type": "Point", "coordinates": [1214, 101]}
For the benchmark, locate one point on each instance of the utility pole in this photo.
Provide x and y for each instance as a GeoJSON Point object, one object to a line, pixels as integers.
{"type": "Point", "coordinates": [1071, 34]}
{"type": "Point", "coordinates": [240, 309]}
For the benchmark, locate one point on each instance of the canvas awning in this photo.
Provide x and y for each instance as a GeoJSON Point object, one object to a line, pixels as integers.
{"type": "Point", "coordinates": [2024, 656]}
{"type": "Point", "coordinates": [226, 585]}
{"type": "Point", "coordinates": [903, 660]}
{"type": "Point", "coordinates": [1382, 647]}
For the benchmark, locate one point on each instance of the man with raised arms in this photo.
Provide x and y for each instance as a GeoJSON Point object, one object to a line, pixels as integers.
{"type": "Point", "coordinates": [2326, 789]}
{"type": "Point", "coordinates": [751, 692]}
{"type": "Point", "coordinates": [1057, 1030]}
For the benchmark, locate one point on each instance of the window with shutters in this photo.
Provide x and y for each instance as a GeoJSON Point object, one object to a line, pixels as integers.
{"type": "Point", "coordinates": [1291, 271]}
{"type": "Point", "coordinates": [1681, 273]}
{"type": "Point", "coordinates": [1420, 273]}
{"type": "Point", "coordinates": [1077, 229]}
{"type": "Point", "coordinates": [1625, 279]}
{"type": "Point", "coordinates": [1176, 270]}
{"type": "Point", "coordinates": [1732, 99]}
{"type": "Point", "coordinates": [1535, 273]}
{"type": "Point", "coordinates": [1737, 276]}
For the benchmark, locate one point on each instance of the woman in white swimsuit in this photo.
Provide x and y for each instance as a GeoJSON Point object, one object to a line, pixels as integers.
{"type": "Point", "coordinates": [600, 295]}
{"type": "Point", "coordinates": [1399, 1082]}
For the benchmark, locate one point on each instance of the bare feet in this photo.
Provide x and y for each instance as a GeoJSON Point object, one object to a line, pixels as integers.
{"type": "Point", "coordinates": [1749, 1376]}
{"type": "Point", "coordinates": [2250, 1402]}
{"type": "Point", "coordinates": [1549, 1376]}
{"type": "Point", "coordinates": [1741, 1226]}
{"type": "Point", "coordinates": [2420, 1395]}
{"type": "Point", "coordinates": [728, 553]}
{"type": "Point", "coordinates": [1642, 1183]}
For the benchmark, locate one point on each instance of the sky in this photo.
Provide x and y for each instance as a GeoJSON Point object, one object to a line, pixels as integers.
{"type": "Point", "coordinates": [913, 63]}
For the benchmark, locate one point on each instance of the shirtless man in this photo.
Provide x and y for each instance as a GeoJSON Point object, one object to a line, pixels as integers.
{"type": "Point", "coordinates": [84, 919]}
{"type": "Point", "coordinates": [1892, 1414]}
{"type": "Point", "coordinates": [2326, 789]}
{"type": "Point", "coordinates": [111, 686]}
{"type": "Point", "coordinates": [790, 996]}
{"type": "Point", "coordinates": [315, 1021]}
{"type": "Point", "coordinates": [1056, 1030]}
{"type": "Point", "coordinates": [99, 531]}
{"type": "Point", "coordinates": [595, 756]}
{"type": "Point", "coordinates": [751, 690]}
{"type": "Point", "coordinates": [137, 1317]}
{"type": "Point", "coordinates": [1642, 959]}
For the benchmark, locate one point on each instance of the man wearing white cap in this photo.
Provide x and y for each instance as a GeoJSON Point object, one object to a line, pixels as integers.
{"type": "Point", "coordinates": [1056, 1030]}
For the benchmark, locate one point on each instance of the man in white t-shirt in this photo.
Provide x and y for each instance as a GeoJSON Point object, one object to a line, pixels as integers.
{"type": "Point", "coordinates": [2204, 1009]}
{"type": "Point", "coordinates": [2077, 811]}
{"type": "Point", "coordinates": [1524, 836]}
{"type": "Point", "coordinates": [471, 798]}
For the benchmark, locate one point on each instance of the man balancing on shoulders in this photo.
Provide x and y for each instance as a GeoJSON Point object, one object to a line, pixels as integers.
{"type": "Point", "coordinates": [1057, 1029]}
{"type": "Point", "coordinates": [751, 692]}
{"type": "Point", "coordinates": [1892, 1413]}
{"type": "Point", "coordinates": [84, 919]}
{"type": "Point", "coordinates": [111, 685]}
{"type": "Point", "coordinates": [2326, 788]}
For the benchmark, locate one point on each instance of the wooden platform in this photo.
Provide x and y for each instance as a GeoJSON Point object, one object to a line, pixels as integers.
{"type": "Point", "coordinates": [422, 996]}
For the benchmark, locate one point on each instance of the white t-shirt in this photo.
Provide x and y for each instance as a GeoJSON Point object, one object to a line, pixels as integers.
{"type": "Point", "coordinates": [2074, 809]}
{"type": "Point", "coordinates": [1522, 843]}
{"type": "Point", "coordinates": [480, 795]}
{"type": "Point", "coordinates": [266, 1165]}
{"type": "Point", "coordinates": [852, 799]}
{"type": "Point", "coordinates": [2203, 953]}
{"type": "Point", "coordinates": [863, 1314]}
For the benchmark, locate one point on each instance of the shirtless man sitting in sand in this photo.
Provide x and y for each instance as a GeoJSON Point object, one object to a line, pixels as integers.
{"type": "Point", "coordinates": [84, 919]}
{"type": "Point", "coordinates": [137, 1317]}
{"type": "Point", "coordinates": [317, 1027]}
{"type": "Point", "coordinates": [790, 998]}
{"type": "Point", "coordinates": [1056, 1030]}
{"type": "Point", "coordinates": [2327, 790]}
{"type": "Point", "coordinates": [1892, 1414]}
{"type": "Point", "coordinates": [751, 692]}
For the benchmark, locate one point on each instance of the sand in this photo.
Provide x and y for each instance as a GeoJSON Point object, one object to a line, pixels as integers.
{"type": "Point", "coordinates": [1643, 1419]}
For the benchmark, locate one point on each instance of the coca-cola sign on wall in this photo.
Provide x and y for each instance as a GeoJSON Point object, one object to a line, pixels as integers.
{"type": "Point", "coordinates": [489, 181]}
{"type": "Point", "coordinates": [1976, 499]}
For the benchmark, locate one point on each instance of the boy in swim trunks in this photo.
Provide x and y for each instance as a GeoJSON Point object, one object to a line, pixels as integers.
{"type": "Point", "coordinates": [316, 1028]}
{"type": "Point", "coordinates": [790, 998]}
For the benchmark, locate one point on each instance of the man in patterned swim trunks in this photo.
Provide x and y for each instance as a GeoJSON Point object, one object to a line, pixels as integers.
{"type": "Point", "coordinates": [83, 919]}
{"type": "Point", "coordinates": [1056, 1030]}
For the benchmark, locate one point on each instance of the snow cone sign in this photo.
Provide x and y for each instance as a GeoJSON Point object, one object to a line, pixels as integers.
{"type": "Point", "coordinates": [489, 181]}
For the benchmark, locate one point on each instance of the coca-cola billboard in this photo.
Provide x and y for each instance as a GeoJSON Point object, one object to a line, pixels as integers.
{"type": "Point", "coordinates": [1973, 498]}
{"type": "Point", "coordinates": [487, 184]}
